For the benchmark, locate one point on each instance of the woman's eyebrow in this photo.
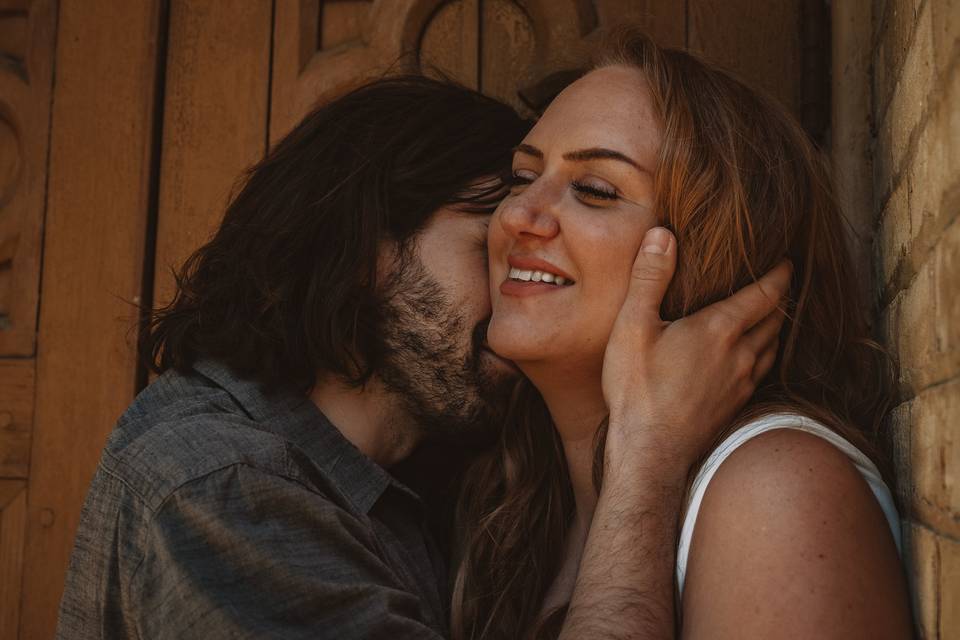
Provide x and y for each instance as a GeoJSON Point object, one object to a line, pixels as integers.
{"type": "Point", "coordinates": [583, 155]}
{"type": "Point", "coordinates": [597, 153]}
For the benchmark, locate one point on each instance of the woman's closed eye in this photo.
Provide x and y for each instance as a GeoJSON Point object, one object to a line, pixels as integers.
{"type": "Point", "coordinates": [519, 178]}
{"type": "Point", "coordinates": [595, 190]}
{"type": "Point", "coordinates": [586, 190]}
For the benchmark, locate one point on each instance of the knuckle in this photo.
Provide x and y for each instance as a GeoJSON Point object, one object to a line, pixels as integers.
{"type": "Point", "coordinates": [647, 272]}
{"type": "Point", "coordinates": [720, 326]}
{"type": "Point", "coordinates": [746, 361]}
{"type": "Point", "coordinates": [716, 324]}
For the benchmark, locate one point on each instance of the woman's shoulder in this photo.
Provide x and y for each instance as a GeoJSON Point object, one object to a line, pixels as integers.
{"type": "Point", "coordinates": [782, 445]}
{"type": "Point", "coordinates": [789, 469]}
{"type": "Point", "coordinates": [783, 465]}
{"type": "Point", "coordinates": [786, 426]}
{"type": "Point", "coordinates": [789, 519]}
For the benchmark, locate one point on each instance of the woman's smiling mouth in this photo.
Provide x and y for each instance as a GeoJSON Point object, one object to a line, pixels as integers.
{"type": "Point", "coordinates": [522, 275]}
{"type": "Point", "coordinates": [529, 275]}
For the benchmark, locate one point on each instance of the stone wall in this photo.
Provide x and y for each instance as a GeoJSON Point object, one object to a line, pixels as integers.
{"type": "Point", "coordinates": [896, 147]}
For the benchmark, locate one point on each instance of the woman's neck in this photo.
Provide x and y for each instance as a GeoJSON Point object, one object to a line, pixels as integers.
{"type": "Point", "coordinates": [576, 405]}
{"type": "Point", "coordinates": [575, 400]}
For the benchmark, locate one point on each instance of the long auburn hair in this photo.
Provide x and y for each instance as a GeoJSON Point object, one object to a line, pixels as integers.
{"type": "Point", "coordinates": [741, 186]}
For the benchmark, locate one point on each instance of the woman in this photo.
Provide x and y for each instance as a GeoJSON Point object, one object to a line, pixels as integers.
{"type": "Point", "coordinates": [789, 530]}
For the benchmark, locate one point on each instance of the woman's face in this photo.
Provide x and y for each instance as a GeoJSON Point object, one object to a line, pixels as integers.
{"type": "Point", "coordinates": [581, 202]}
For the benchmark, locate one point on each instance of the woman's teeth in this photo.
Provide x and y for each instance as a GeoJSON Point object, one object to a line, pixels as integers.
{"type": "Point", "coordinates": [536, 276]}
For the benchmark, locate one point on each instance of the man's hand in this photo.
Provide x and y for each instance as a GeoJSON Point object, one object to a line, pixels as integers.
{"type": "Point", "coordinates": [672, 386]}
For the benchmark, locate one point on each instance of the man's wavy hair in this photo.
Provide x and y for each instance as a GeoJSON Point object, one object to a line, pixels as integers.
{"type": "Point", "coordinates": [287, 287]}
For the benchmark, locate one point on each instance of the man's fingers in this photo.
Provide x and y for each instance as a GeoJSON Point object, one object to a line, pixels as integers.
{"type": "Point", "coordinates": [765, 362]}
{"type": "Point", "coordinates": [758, 338]}
{"type": "Point", "coordinates": [652, 271]}
{"type": "Point", "coordinates": [756, 301]}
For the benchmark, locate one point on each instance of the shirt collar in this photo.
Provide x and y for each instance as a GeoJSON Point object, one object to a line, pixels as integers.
{"type": "Point", "coordinates": [297, 419]}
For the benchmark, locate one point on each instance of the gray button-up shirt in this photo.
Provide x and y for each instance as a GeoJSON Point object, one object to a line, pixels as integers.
{"type": "Point", "coordinates": [220, 512]}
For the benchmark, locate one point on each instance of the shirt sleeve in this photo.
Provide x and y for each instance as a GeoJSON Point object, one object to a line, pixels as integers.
{"type": "Point", "coordinates": [242, 553]}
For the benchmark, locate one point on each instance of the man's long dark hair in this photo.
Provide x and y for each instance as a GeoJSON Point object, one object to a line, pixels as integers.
{"type": "Point", "coordinates": [287, 287]}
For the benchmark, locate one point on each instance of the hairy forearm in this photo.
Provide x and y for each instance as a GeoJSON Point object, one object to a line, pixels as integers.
{"type": "Point", "coordinates": [625, 586]}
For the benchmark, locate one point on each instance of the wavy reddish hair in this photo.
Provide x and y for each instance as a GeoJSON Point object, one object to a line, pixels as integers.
{"type": "Point", "coordinates": [741, 186]}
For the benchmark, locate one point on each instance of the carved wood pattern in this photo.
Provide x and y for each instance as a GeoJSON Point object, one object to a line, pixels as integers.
{"type": "Point", "coordinates": [26, 64]}
{"type": "Point", "coordinates": [521, 51]}
{"type": "Point", "coordinates": [515, 50]}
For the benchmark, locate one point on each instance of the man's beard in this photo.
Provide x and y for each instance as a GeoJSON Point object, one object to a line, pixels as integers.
{"type": "Point", "coordinates": [450, 395]}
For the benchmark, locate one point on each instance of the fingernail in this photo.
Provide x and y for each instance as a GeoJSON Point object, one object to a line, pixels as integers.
{"type": "Point", "coordinates": [656, 240]}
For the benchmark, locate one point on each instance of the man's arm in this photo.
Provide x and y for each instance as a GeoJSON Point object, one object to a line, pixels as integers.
{"type": "Point", "coordinates": [670, 388]}
{"type": "Point", "coordinates": [243, 553]}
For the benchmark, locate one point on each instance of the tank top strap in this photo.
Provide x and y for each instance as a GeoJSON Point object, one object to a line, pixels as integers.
{"type": "Point", "coordinates": [752, 429]}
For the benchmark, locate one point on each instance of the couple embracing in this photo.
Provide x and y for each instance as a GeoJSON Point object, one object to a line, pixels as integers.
{"type": "Point", "coordinates": [636, 314]}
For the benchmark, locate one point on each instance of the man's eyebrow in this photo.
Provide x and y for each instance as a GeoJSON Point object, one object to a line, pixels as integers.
{"type": "Point", "coordinates": [528, 150]}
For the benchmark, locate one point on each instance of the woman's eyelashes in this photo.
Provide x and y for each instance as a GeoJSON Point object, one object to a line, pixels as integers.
{"type": "Point", "coordinates": [601, 192]}
{"type": "Point", "coordinates": [585, 190]}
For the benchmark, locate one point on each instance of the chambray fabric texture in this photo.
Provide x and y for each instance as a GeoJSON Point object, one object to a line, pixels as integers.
{"type": "Point", "coordinates": [219, 512]}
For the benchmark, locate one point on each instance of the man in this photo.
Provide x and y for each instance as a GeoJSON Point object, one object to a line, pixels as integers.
{"type": "Point", "coordinates": [335, 322]}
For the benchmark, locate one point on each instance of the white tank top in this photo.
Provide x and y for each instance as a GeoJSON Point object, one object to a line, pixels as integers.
{"type": "Point", "coordinates": [752, 429]}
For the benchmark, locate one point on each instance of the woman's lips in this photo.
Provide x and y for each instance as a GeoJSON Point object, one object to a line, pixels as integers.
{"type": "Point", "coordinates": [521, 289]}
{"type": "Point", "coordinates": [530, 263]}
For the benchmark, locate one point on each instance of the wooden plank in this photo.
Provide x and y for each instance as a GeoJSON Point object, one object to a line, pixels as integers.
{"type": "Point", "coordinates": [215, 120]}
{"type": "Point", "coordinates": [16, 417]}
{"type": "Point", "coordinates": [758, 40]}
{"type": "Point", "coordinates": [101, 149]}
{"type": "Point", "coordinates": [13, 520]}
{"type": "Point", "coordinates": [26, 47]}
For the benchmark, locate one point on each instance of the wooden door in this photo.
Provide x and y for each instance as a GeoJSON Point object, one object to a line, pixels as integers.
{"type": "Point", "coordinates": [123, 166]}
{"type": "Point", "coordinates": [27, 31]}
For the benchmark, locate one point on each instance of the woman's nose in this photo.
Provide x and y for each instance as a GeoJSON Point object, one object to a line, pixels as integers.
{"type": "Point", "coordinates": [530, 214]}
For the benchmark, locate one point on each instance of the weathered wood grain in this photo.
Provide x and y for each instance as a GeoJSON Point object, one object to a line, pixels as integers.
{"type": "Point", "coordinates": [215, 121]}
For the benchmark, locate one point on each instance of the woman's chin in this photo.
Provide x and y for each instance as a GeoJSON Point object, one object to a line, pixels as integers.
{"type": "Point", "coordinates": [521, 352]}
{"type": "Point", "coordinates": [524, 346]}
{"type": "Point", "coordinates": [507, 349]}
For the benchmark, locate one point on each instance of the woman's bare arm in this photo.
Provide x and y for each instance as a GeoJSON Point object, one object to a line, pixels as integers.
{"type": "Point", "coordinates": [791, 543]}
